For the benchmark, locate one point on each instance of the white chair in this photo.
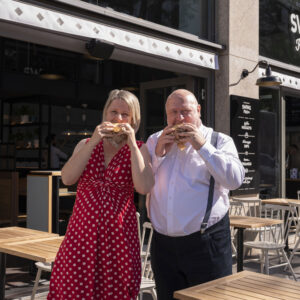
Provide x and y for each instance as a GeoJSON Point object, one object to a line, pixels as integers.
{"type": "Point", "coordinates": [40, 267]}
{"type": "Point", "coordinates": [148, 283]}
{"type": "Point", "coordinates": [298, 194]}
{"type": "Point", "coordinates": [236, 209]}
{"type": "Point", "coordinates": [251, 208]}
{"type": "Point", "coordinates": [138, 217]}
{"type": "Point", "coordinates": [296, 250]}
{"type": "Point", "coordinates": [273, 239]}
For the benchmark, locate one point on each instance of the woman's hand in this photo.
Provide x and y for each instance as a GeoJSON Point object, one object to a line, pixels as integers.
{"type": "Point", "coordinates": [129, 131]}
{"type": "Point", "coordinates": [103, 130]}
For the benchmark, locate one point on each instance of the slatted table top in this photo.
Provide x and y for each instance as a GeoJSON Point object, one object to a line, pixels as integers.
{"type": "Point", "coordinates": [243, 286]}
{"type": "Point", "coordinates": [42, 249]}
{"type": "Point", "coordinates": [10, 234]}
{"type": "Point", "coordinates": [252, 222]}
{"type": "Point", "coordinates": [280, 201]}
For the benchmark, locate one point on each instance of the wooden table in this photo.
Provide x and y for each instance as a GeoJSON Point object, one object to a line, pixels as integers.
{"type": "Point", "coordinates": [11, 239]}
{"type": "Point", "coordinates": [243, 286]}
{"type": "Point", "coordinates": [280, 201]}
{"type": "Point", "coordinates": [243, 222]}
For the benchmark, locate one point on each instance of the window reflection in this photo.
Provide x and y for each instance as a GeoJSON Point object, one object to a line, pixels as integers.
{"type": "Point", "coordinates": [187, 15]}
{"type": "Point", "coordinates": [268, 143]}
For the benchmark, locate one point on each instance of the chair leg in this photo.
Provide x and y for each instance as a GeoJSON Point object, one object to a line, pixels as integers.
{"type": "Point", "coordinates": [289, 264]}
{"type": "Point", "coordinates": [267, 262]}
{"type": "Point", "coordinates": [294, 250]}
{"type": "Point", "coordinates": [261, 258]}
{"type": "Point", "coordinates": [36, 283]}
{"type": "Point", "coordinates": [153, 293]}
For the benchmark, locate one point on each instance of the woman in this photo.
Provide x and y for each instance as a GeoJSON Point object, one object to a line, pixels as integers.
{"type": "Point", "coordinates": [99, 257]}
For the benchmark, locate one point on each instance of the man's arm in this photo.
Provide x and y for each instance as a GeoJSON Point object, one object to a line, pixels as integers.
{"type": "Point", "coordinates": [223, 162]}
{"type": "Point", "coordinates": [151, 146]}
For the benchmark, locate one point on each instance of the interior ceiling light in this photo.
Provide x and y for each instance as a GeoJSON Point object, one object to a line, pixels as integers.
{"type": "Point", "coordinates": [51, 76]}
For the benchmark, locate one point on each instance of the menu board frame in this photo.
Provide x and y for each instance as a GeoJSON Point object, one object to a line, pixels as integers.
{"type": "Point", "coordinates": [244, 124]}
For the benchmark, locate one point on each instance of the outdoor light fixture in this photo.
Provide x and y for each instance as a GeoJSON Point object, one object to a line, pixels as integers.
{"type": "Point", "coordinates": [267, 80]}
{"type": "Point", "coordinates": [99, 49]}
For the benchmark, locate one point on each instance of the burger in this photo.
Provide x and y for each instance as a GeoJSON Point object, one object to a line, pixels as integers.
{"type": "Point", "coordinates": [117, 136]}
{"type": "Point", "coordinates": [176, 130]}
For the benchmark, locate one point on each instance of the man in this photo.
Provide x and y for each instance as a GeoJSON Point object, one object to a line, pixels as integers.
{"type": "Point", "coordinates": [56, 153]}
{"type": "Point", "coordinates": [181, 255]}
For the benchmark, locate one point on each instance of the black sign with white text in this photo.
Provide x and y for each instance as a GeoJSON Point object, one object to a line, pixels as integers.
{"type": "Point", "coordinates": [244, 114]}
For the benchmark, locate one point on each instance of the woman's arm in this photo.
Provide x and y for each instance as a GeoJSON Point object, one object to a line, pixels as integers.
{"type": "Point", "coordinates": [141, 168]}
{"type": "Point", "coordinates": [74, 167]}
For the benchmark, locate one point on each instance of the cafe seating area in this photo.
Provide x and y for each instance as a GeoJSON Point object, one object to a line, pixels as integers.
{"type": "Point", "coordinates": [275, 253]}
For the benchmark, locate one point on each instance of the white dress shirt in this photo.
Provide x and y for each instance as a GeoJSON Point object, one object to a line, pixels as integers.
{"type": "Point", "coordinates": [178, 199]}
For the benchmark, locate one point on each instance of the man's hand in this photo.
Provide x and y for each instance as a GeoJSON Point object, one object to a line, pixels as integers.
{"type": "Point", "coordinates": [192, 135]}
{"type": "Point", "coordinates": [165, 142]}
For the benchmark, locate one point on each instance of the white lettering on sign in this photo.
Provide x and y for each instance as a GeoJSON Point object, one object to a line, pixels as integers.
{"type": "Point", "coordinates": [297, 47]}
{"type": "Point", "coordinates": [295, 28]}
{"type": "Point", "coordinates": [295, 23]}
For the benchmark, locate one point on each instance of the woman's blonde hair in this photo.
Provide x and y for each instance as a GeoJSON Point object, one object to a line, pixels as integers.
{"type": "Point", "coordinates": [132, 102]}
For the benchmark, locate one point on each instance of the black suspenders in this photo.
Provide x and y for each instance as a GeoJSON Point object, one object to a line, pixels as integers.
{"type": "Point", "coordinates": [213, 141]}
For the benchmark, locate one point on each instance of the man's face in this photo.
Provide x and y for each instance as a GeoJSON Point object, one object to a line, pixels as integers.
{"type": "Point", "coordinates": [182, 110]}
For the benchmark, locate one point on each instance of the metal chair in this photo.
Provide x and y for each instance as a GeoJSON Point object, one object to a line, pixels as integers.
{"type": "Point", "coordinates": [148, 283]}
{"type": "Point", "coordinates": [273, 238]}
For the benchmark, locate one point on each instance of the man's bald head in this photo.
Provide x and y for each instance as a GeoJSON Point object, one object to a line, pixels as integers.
{"type": "Point", "coordinates": [182, 107]}
{"type": "Point", "coordinates": [183, 95]}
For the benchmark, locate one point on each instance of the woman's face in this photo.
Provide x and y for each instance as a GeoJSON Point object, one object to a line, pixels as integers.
{"type": "Point", "coordinates": [119, 112]}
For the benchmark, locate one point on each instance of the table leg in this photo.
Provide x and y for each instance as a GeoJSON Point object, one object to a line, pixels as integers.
{"type": "Point", "coordinates": [2, 275]}
{"type": "Point", "coordinates": [286, 233]}
{"type": "Point", "coordinates": [240, 249]}
{"type": "Point", "coordinates": [55, 204]}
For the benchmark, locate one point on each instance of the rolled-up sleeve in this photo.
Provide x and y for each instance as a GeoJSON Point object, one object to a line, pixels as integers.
{"type": "Point", "coordinates": [223, 162]}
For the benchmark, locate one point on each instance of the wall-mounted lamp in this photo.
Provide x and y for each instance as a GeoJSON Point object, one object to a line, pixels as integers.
{"type": "Point", "coordinates": [99, 49]}
{"type": "Point", "coordinates": [267, 80]}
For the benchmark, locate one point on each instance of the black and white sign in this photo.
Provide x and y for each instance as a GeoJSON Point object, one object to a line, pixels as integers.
{"type": "Point", "coordinates": [243, 129]}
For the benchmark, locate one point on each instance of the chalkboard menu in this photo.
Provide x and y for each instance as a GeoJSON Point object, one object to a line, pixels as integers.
{"type": "Point", "coordinates": [244, 114]}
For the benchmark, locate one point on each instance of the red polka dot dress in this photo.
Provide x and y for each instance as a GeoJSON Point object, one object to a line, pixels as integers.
{"type": "Point", "coordinates": [99, 257]}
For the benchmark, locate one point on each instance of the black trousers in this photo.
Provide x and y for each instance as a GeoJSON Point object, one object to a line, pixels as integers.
{"type": "Point", "coordinates": [182, 262]}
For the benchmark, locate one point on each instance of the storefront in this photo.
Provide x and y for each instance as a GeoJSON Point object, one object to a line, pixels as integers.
{"type": "Point", "coordinates": [279, 142]}
{"type": "Point", "coordinates": [150, 49]}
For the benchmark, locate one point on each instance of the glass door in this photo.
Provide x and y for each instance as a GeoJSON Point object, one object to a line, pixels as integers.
{"type": "Point", "coordinates": [153, 98]}
{"type": "Point", "coordinates": [292, 144]}
{"type": "Point", "coordinates": [269, 143]}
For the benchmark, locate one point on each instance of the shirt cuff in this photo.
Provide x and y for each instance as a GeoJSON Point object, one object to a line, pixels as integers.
{"type": "Point", "coordinates": [206, 151]}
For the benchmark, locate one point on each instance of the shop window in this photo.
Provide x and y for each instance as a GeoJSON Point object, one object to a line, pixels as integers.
{"type": "Point", "coordinates": [279, 30]}
{"type": "Point", "coordinates": [191, 16]}
{"type": "Point", "coordinates": [269, 143]}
